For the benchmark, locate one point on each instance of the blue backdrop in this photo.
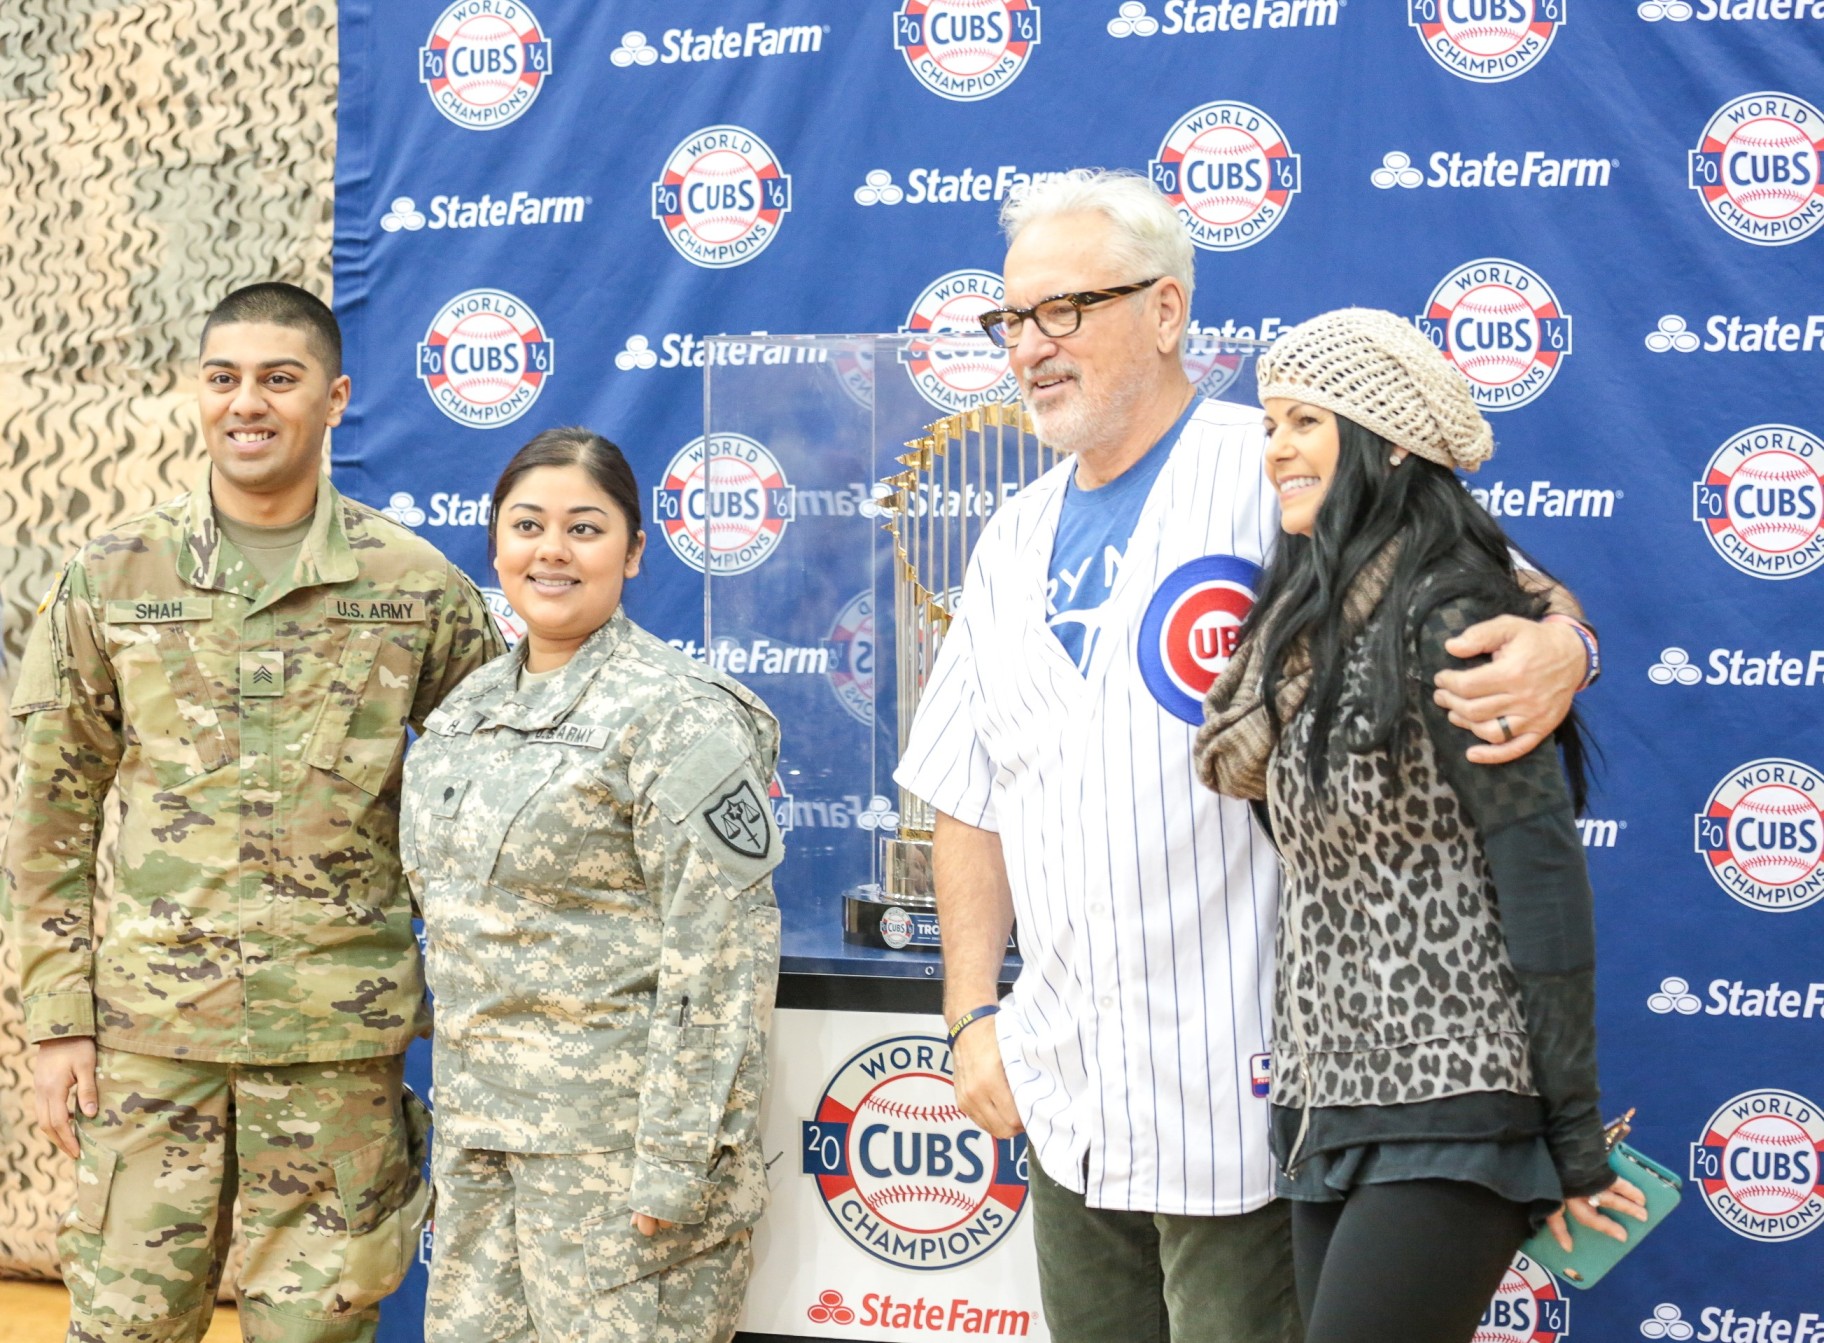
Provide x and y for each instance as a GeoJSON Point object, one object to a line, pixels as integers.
{"type": "Point", "coordinates": [1609, 216]}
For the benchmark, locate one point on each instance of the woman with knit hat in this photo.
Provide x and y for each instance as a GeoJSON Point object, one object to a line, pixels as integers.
{"type": "Point", "coordinates": [1434, 1089]}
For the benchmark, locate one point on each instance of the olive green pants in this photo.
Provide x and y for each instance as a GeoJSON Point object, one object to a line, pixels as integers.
{"type": "Point", "coordinates": [325, 1165]}
{"type": "Point", "coordinates": [1144, 1277]}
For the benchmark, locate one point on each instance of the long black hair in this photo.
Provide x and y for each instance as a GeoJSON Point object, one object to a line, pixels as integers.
{"type": "Point", "coordinates": [1450, 549]}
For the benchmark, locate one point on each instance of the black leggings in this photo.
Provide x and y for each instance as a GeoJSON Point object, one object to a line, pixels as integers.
{"type": "Point", "coordinates": [1416, 1261]}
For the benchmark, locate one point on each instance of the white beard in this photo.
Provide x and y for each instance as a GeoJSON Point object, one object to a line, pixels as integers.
{"type": "Point", "coordinates": [1089, 419]}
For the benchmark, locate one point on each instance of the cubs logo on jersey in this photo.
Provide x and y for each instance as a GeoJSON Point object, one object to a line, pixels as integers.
{"type": "Point", "coordinates": [1229, 172]}
{"type": "Point", "coordinates": [1503, 328]}
{"type": "Point", "coordinates": [1757, 167]}
{"type": "Point", "coordinates": [902, 1170]}
{"type": "Point", "coordinates": [485, 358]}
{"type": "Point", "coordinates": [966, 50]}
{"type": "Point", "coordinates": [1761, 501]}
{"type": "Point", "coordinates": [1191, 628]}
{"type": "Point", "coordinates": [1760, 834]}
{"type": "Point", "coordinates": [485, 62]}
{"type": "Point", "coordinates": [1758, 1165]}
{"type": "Point", "coordinates": [721, 197]}
{"type": "Point", "coordinates": [1487, 41]}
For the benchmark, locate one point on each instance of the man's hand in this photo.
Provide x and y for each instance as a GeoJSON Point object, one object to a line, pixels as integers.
{"type": "Point", "coordinates": [981, 1081]}
{"type": "Point", "coordinates": [1517, 700]}
{"type": "Point", "coordinates": [63, 1066]}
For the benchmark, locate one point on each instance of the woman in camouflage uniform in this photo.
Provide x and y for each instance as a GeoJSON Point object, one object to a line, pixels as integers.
{"type": "Point", "coordinates": [586, 829]}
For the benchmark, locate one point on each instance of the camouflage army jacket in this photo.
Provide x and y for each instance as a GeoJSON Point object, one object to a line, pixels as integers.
{"type": "Point", "coordinates": [593, 855]}
{"type": "Point", "coordinates": [253, 738]}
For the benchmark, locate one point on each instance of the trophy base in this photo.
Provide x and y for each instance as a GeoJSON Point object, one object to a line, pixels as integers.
{"type": "Point", "coordinates": [874, 918]}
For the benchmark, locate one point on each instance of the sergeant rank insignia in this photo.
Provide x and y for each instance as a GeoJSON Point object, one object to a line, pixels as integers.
{"type": "Point", "coordinates": [739, 819]}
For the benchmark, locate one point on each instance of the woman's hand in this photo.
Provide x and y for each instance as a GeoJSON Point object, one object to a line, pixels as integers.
{"type": "Point", "coordinates": [1598, 1212]}
{"type": "Point", "coordinates": [651, 1226]}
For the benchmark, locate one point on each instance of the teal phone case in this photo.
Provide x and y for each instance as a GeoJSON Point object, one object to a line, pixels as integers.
{"type": "Point", "coordinates": [1592, 1255]}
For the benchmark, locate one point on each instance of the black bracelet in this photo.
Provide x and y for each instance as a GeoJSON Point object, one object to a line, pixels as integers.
{"type": "Point", "coordinates": [956, 1027]}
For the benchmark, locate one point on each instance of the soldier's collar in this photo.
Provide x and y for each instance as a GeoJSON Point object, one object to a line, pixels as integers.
{"type": "Point", "coordinates": [548, 703]}
{"type": "Point", "coordinates": [325, 557]}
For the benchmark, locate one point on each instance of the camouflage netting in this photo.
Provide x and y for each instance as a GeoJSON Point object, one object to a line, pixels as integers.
{"type": "Point", "coordinates": [152, 156]}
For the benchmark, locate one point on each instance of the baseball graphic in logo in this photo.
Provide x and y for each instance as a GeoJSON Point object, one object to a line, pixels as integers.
{"type": "Point", "coordinates": [512, 628]}
{"type": "Point", "coordinates": [1486, 40]}
{"type": "Point", "coordinates": [1761, 501]}
{"type": "Point", "coordinates": [721, 197]}
{"type": "Point", "coordinates": [1503, 328]}
{"type": "Point", "coordinates": [903, 1171]}
{"type": "Point", "coordinates": [1527, 1307]}
{"type": "Point", "coordinates": [966, 50]}
{"type": "Point", "coordinates": [1190, 629]}
{"type": "Point", "coordinates": [485, 358]}
{"type": "Point", "coordinates": [1757, 166]}
{"type": "Point", "coordinates": [485, 62]}
{"type": "Point", "coordinates": [851, 645]}
{"type": "Point", "coordinates": [1228, 170]}
{"type": "Point", "coordinates": [1760, 832]}
{"type": "Point", "coordinates": [954, 365]}
{"type": "Point", "coordinates": [1758, 1165]}
{"type": "Point", "coordinates": [726, 509]}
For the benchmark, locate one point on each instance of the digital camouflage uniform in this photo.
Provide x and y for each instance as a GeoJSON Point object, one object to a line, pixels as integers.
{"type": "Point", "coordinates": [593, 854]}
{"type": "Point", "coordinates": [258, 976]}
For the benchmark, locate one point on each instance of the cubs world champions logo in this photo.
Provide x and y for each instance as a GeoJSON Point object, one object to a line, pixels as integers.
{"type": "Point", "coordinates": [1527, 1307]}
{"type": "Point", "coordinates": [1761, 501]}
{"type": "Point", "coordinates": [966, 50]}
{"type": "Point", "coordinates": [1503, 328]}
{"type": "Point", "coordinates": [485, 62]}
{"type": "Point", "coordinates": [851, 645]}
{"type": "Point", "coordinates": [957, 367]}
{"type": "Point", "coordinates": [721, 197]}
{"type": "Point", "coordinates": [1229, 172]}
{"type": "Point", "coordinates": [1759, 832]}
{"type": "Point", "coordinates": [903, 1171]}
{"type": "Point", "coordinates": [1191, 628]}
{"type": "Point", "coordinates": [1486, 40]}
{"type": "Point", "coordinates": [512, 628]}
{"type": "Point", "coordinates": [724, 511]}
{"type": "Point", "coordinates": [1757, 168]}
{"type": "Point", "coordinates": [1758, 1165]}
{"type": "Point", "coordinates": [485, 358]}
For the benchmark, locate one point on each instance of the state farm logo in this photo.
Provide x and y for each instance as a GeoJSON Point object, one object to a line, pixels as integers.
{"type": "Point", "coordinates": [1227, 169]}
{"type": "Point", "coordinates": [1486, 40]}
{"type": "Point", "coordinates": [1756, 167]}
{"type": "Point", "coordinates": [688, 46]}
{"type": "Point", "coordinates": [1668, 1321]}
{"type": "Point", "coordinates": [1454, 170]}
{"type": "Point", "coordinates": [485, 358]}
{"type": "Point", "coordinates": [726, 509]}
{"type": "Point", "coordinates": [1740, 667]}
{"type": "Point", "coordinates": [484, 63]}
{"type": "Point", "coordinates": [1735, 998]}
{"type": "Point", "coordinates": [1527, 1307]}
{"type": "Point", "coordinates": [952, 362]}
{"type": "Point", "coordinates": [721, 197]}
{"type": "Point", "coordinates": [966, 50]}
{"type": "Point", "coordinates": [882, 1310]}
{"type": "Point", "coordinates": [1731, 332]}
{"type": "Point", "coordinates": [934, 186]}
{"type": "Point", "coordinates": [1220, 16]}
{"type": "Point", "coordinates": [1708, 11]}
{"type": "Point", "coordinates": [1502, 326]}
{"type": "Point", "coordinates": [904, 1173]}
{"type": "Point", "coordinates": [1759, 832]}
{"type": "Point", "coordinates": [1758, 1165]}
{"type": "Point", "coordinates": [485, 211]}
{"type": "Point", "coordinates": [1761, 501]}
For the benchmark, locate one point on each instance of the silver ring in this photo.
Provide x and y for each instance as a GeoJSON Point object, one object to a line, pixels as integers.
{"type": "Point", "coordinates": [1507, 733]}
{"type": "Point", "coordinates": [1595, 1200]}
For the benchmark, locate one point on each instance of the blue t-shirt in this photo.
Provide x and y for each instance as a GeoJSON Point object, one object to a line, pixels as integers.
{"type": "Point", "coordinates": [1094, 528]}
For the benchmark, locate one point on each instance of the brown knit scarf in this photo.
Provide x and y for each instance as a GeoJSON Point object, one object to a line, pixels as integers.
{"type": "Point", "coordinates": [1236, 741]}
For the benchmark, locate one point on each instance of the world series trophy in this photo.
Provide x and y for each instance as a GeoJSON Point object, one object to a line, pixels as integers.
{"type": "Point", "coordinates": [955, 475]}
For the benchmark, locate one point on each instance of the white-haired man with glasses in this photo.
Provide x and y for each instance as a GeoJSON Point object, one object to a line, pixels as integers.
{"type": "Point", "coordinates": [1055, 742]}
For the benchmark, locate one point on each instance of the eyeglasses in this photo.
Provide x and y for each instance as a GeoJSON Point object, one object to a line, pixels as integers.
{"type": "Point", "coordinates": [1057, 316]}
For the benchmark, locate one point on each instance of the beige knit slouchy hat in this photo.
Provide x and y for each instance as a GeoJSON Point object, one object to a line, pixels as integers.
{"type": "Point", "coordinates": [1377, 369]}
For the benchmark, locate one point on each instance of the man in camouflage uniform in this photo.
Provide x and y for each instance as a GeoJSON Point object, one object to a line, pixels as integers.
{"type": "Point", "coordinates": [238, 666]}
{"type": "Point", "coordinates": [593, 850]}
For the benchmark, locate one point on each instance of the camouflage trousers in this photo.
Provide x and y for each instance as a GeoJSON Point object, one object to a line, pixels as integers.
{"type": "Point", "coordinates": [533, 1248]}
{"type": "Point", "coordinates": [325, 1163]}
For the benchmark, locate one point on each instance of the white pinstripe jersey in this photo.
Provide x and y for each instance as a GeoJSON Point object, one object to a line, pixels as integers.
{"type": "Point", "coordinates": [1145, 902]}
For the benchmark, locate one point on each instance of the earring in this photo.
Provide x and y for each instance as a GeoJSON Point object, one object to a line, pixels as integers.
{"type": "Point", "coordinates": [1396, 459]}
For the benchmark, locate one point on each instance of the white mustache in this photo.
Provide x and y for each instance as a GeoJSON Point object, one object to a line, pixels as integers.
{"type": "Point", "coordinates": [1051, 368]}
